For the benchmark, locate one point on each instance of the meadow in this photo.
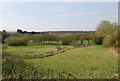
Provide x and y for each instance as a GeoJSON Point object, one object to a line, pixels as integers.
{"type": "Point", "coordinates": [91, 55]}
{"type": "Point", "coordinates": [94, 61]}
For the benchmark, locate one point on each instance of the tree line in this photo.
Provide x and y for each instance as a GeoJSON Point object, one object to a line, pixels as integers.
{"type": "Point", "coordinates": [106, 34]}
{"type": "Point", "coordinates": [33, 32]}
{"type": "Point", "coordinates": [48, 38]}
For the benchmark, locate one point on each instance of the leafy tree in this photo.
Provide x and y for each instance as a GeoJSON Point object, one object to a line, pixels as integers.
{"type": "Point", "coordinates": [98, 40]}
{"type": "Point", "coordinates": [112, 40]}
{"type": "Point", "coordinates": [66, 39]}
{"type": "Point", "coordinates": [104, 28]}
{"type": "Point", "coordinates": [44, 38]}
{"type": "Point", "coordinates": [4, 35]}
{"type": "Point", "coordinates": [89, 37]}
{"type": "Point", "coordinates": [82, 37]}
{"type": "Point", "coordinates": [35, 38]}
{"type": "Point", "coordinates": [19, 31]}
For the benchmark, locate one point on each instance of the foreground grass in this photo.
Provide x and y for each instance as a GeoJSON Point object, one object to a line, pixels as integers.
{"type": "Point", "coordinates": [89, 62]}
{"type": "Point", "coordinates": [84, 63]}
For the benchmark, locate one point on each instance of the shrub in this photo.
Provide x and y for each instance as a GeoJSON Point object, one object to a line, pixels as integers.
{"type": "Point", "coordinates": [40, 38]}
{"type": "Point", "coordinates": [16, 68]}
{"type": "Point", "coordinates": [107, 41]}
{"type": "Point", "coordinates": [19, 69]}
{"type": "Point", "coordinates": [4, 53]}
{"type": "Point", "coordinates": [75, 44]}
{"type": "Point", "coordinates": [35, 38]}
{"type": "Point", "coordinates": [112, 40]}
{"type": "Point", "coordinates": [66, 39]}
{"type": "Point", "coordinates": [98, 40]}
{"type": "Point", "coordinates": [17, 40]}
{"type": "Point", "coordinates": [4, 47]}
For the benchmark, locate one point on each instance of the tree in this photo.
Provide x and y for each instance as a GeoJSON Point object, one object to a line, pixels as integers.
{"type": "Point", "coordinates": [98, 40]}
{"type": "Point", "coordinates": [104, 28]}
{"type": "Point", "coordinates": [112, 40]}
{"type": "Point", "coordinates": [19, 31]}
{"type": "Point", "coordinates": [66, 39]}
{"type": "Point", "coordinates": [82, 37]}
{"type": "Point", "coordinates": [4, 35]}
{"type": "Point", "coordinates": [89, 37]}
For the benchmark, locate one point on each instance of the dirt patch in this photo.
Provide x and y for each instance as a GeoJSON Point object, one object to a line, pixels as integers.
{"type": "Point", "coordinates": [59, 50]}
{"type": "Point", "coordinates": [84, 45]}
{"type": "Point", "coordinates": [115, 50]}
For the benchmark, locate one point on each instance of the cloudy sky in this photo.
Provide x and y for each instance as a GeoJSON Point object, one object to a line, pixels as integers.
{"type": "Point", "coordinates": [51, 16]}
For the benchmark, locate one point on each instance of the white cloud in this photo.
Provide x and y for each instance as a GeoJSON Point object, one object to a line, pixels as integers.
{"type": "Point", "coordinates": [79, 14]}
{"type": "Point", "coordinates": [91, 14]}
{"type": "Point", "coordinates": [106, 17]}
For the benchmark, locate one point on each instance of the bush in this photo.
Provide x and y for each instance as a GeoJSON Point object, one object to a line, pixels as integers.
{"type": "Point", "coordinates": [17, 40]}
{"type": "Point", "coordinates": [4, 47]}
{"type": "Point", "coordinates": [19, 69]}
{"type": "Point", "coordinates": [66, 39]}
{"type": "Point", "coordinates": [75, 44]}
{"type": "Point", "coordinates": [40, 38]}
{"type": "Point", "coordinates": [4, 53]}
{"type": "Point", "coordinates": [16, 68]}
{"type": "Point", "coordinates": [112, 40]}
{"type": "Point", "coordinates": [98, 40]}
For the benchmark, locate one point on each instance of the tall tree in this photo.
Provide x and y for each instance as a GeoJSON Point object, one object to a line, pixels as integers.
{"type": "Point", "coordinates": [104, 28]}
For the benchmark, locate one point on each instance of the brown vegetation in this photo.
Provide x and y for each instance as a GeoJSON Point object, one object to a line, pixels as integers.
{"type": "Point", "coordinates": [59, 50]}
{"type": "Point", "coordinates": [115, 50]}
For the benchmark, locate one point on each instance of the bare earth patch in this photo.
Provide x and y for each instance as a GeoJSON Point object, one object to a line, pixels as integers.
{"type": "Point", "coordinates": [115, 50]}
{"type": "Point", "coordinates": [59, 50]}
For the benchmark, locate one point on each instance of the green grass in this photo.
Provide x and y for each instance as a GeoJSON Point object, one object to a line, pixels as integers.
{"type": "Point", "coordinates": [84, 63]}
{"type": "Point", "coordinates": [31, 50]}
{"type": "Point", "coordinates": [89, 62]}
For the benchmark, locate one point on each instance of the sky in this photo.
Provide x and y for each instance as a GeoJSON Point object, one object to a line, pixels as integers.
{"type": "Point", "coordinates": [56, 16]}
{"type": "Point", "coordinates": [59, 0]}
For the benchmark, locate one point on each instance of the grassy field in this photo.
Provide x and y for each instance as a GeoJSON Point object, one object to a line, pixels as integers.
{"type": "Point", "coordinates": [86, 62]}
{"type": "Point", "coordinates": [32, 50]}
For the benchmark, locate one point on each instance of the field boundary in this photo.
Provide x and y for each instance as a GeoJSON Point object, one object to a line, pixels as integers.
{"type": "Point", "coordinates": [58, 51]}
